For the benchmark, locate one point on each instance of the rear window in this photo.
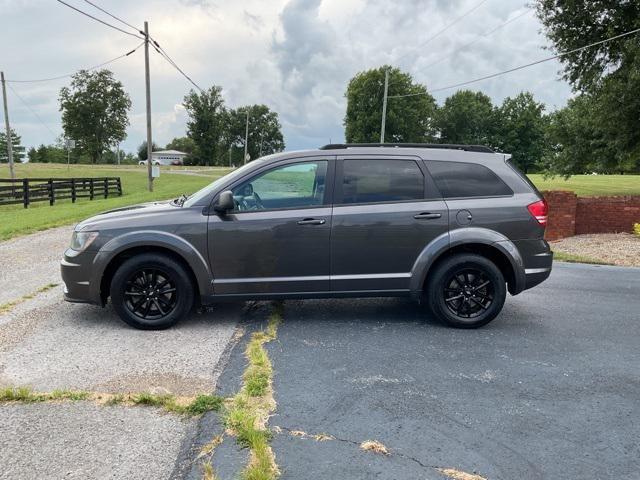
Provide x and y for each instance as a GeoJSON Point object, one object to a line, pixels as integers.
{"type": "Point", "coordinates": [374, 181]}
{"type": "Point", "coordinates": [457, 179]}
{"type": "Point", "coordinates": [524, 178]}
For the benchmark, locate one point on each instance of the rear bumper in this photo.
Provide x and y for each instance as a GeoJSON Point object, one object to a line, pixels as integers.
{"type": "Point", "coordinates": [538, 260]}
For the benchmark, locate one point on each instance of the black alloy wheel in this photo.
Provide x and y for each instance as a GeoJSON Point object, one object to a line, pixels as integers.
{"type": "Point", "coordinates": [465, 290]}
{"type": "Point", "coordinates": [468, 292]}
{"type": "Point", "coordinates": [150, 294]}
{"type": "Point", "coordinates": [152, 291]}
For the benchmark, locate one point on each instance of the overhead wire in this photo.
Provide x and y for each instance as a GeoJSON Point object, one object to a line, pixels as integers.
{"type": "Point", "coordinates": [32, 111]}
{"type": "Point", "coordinates": [37, 80]}
{"type": "Point", "coordinates": [520, 67]}
{"type": "Point", "coordinates": [161, 51]}
{"type": "Point", "coordinates": [98, 20]}
{"type": "Point", "coordinates": [480, 37]}
{"type": "Point", "coordinates": [441, 31]}
{"type": "Point", "coordinates": [114, 16]}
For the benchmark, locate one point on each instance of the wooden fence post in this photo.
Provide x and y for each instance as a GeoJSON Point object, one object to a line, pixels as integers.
{"type": "Point", "coordinates": [105, 184]}
{"type": "Point", "coordinates": [91, 189]}
{"type": "Point", "coordinates": [25, 192]}
{"type": "Point", "coordinates": [52, 195]}
{"type": "Point", "coordinates": [119, 183]}
{"type": "Point", "coordinates": [73, 190]}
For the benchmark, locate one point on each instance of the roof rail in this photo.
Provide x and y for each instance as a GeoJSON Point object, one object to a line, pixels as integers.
{"type": "Point", "coordinates": [448, 146]}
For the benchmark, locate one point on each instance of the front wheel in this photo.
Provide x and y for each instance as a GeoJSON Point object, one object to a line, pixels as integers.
{"type": "Point", "coordinates": [466, 291]}
{"type": "Point", "coordinates": [151, 291]}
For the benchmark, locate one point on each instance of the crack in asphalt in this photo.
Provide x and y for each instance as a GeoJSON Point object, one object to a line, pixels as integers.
{"type": "Point", "coordinates": [297, 433]}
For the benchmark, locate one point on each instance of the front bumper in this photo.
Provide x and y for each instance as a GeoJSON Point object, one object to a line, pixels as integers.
{"type": "Point", "coordinates": [75, 269]}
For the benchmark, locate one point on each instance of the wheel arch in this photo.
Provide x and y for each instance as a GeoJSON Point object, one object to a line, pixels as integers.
{"type": "Point", "coordinates": [488, 243]}
{"type": "Point", "coordinates": [116, 251]}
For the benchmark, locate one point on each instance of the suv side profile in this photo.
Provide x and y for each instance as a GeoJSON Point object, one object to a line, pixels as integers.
{"type": "Point", "coordinates": [452, 226]}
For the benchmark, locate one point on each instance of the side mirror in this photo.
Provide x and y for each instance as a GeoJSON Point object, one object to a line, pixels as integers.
{"type": "Point", "coordinates": [225, 202]}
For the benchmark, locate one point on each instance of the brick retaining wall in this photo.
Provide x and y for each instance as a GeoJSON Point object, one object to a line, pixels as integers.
{"type": "Point", "coordinates": [572, 215]}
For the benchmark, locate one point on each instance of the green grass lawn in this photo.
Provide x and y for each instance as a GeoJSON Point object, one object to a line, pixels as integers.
{"type": "Point", "coordinates": [589, 185]}
{"type": "Point", "coordinates": [16, 220]}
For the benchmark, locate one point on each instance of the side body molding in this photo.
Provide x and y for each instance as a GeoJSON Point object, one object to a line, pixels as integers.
{"type": "Point", "coordinates": [153, 238]}
{"type": "Point", "coordinates": [461, 236]}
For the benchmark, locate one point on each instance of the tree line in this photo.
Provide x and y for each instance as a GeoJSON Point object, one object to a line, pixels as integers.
{"type": "Point", "coordinates": [95, 110]}
{"type": "Point", "coordinates": [597, 131]}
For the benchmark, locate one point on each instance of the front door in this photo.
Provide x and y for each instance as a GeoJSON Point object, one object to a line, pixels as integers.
{"type": "Point", "coordinates": [276, 240]}
{"type": "Point", "coordinates": [386, 211]}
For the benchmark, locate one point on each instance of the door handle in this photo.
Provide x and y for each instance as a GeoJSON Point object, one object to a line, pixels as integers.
{"type": "Point", "coordinates": [312, 221]}
{"type": "Point", "coordinates": [427, 216]}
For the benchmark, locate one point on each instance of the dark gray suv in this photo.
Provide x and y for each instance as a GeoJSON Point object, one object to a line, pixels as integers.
{"type": "Point", "coordinates": [452, 226]}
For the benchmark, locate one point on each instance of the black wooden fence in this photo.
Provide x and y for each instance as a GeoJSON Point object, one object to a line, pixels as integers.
{"type": "Point", "coordinates": [29, 190]}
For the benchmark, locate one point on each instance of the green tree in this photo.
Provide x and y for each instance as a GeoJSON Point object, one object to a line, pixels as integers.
{"type": "Point", "coordinates": [521, 129]}
{"type": "Point", "coordinates": [17, 148]}
{"type": "Point", "coordinates": [94, 111]}
{"type": "Point", "coordinates": [142, 150]}
{"type": "Point", "coordinates": [265, 132]}
{"type": "Point", "coordinates": [409, 119]}
{"type": "Point", "coordinates": [468, 118]}
{"type": "Point", "coordinates": [182, 144]}
{"type": "Point", "coordinates": [570, 25]}
{"type": "Point", "coordinates": [607, 76]}
{"type": "Point", "coordinates": [48, 154]}
{"type": "Point", "coordinates": [206, 124]}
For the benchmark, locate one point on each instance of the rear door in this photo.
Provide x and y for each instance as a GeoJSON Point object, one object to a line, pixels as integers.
{"type": "Point", "coordinates": [386, 210]}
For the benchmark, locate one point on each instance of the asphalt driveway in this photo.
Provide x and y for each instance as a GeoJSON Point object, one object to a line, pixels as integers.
{"type": "Point", "coordinates": [550, 389]}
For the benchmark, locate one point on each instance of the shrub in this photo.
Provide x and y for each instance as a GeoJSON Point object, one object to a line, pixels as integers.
{"type": "Point", "coordinates": [636, 229]}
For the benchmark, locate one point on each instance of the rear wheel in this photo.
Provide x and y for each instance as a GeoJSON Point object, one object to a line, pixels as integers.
{"type": "Point", "coordinates": [151, 291]}
{"type": "Point", "coordinates": [466, 291]}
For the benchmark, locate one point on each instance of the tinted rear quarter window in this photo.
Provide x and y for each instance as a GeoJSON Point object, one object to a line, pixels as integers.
{"type": "Point", "coordinates": [461, 180]}
{"type": "Point", "coordinates": [374, 181]}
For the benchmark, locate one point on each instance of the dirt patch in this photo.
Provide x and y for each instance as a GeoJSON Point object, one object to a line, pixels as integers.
{"type": "Point", "coordinates": [621, 249]}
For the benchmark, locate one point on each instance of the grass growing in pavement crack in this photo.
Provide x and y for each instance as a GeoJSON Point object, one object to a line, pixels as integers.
{"type": "Point", "coordinates": [248, 411]}
{"type": "Point", "coordinates": [7, 307]}
{"type": "Point", "coordinates": [189, 406]}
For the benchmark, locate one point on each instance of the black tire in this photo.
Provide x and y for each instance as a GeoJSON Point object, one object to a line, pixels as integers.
{"type": "Point", "coordinates": [152, 291]}
{"type": "Point", "coordinates": [466, 291]}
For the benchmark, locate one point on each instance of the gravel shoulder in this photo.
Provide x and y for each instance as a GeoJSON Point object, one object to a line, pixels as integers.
{"type": "Point", "coordinates": [82, 440]}
{"type": "Point", "coordinates": [622, 249]}
{"type": "Point", "coordinates": [31, 262]}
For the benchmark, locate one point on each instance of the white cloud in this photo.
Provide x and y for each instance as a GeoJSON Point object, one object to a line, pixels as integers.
{"type": "Point", "coordinates": [294, 55]}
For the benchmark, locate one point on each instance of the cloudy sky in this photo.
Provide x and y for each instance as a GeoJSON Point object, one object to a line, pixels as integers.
{"type": "Point", "coordinates": [296, 56]}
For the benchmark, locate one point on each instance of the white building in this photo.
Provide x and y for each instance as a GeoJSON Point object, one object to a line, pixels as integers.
{"type": "Point", "coordinates": [168, 157]}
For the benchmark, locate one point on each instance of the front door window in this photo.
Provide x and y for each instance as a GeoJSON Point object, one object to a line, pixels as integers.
{"type": "Point", "coordinates": [298, 185]}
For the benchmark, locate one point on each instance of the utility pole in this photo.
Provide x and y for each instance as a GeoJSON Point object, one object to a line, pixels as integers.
{"type": "Point", "coordinates": [246, 138]}
{"type": "Point", "coordinates": [147, 81]}
{"type": "Point", "coordinates": [261, 141]}
{"type": "Point", "coordinates": [384, 104]}
{"type": "Point", "coordinates": [6, 123]}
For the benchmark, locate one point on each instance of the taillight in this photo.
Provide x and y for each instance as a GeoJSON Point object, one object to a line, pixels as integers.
{"type": "Point", "coordinates": [540, 211]}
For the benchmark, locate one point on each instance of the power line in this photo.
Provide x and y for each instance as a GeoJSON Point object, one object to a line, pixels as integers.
{"type": "Point", "coordinates": [113, 16]}
{"type": "Point", "coordinates": [98, 20]}
{"type": "Point", "coordinates": [162, 52]}
{"type": "Point", "coordinates": [444, 29]}
{"type": "Point", "coordinates": [32, 111]}
{"type": "Point", "coordinates": [497, 74]}
{"type": "Point", "coordinates": [71, 74]}
{"type": "Point", "coordinates": [483, 35]}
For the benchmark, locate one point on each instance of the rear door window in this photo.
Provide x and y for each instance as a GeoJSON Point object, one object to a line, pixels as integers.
{"type": "Point", "coordinates": [380, 181]}
{"type": "Point", "coordinates": [462, 180]}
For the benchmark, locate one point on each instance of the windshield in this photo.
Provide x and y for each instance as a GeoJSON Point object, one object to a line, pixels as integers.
{"type": "Point", "coordinates": [212, 187]}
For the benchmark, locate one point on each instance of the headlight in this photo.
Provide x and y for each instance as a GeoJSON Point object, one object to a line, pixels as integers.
{"type": "Point", "coordinates": [80, 241]}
